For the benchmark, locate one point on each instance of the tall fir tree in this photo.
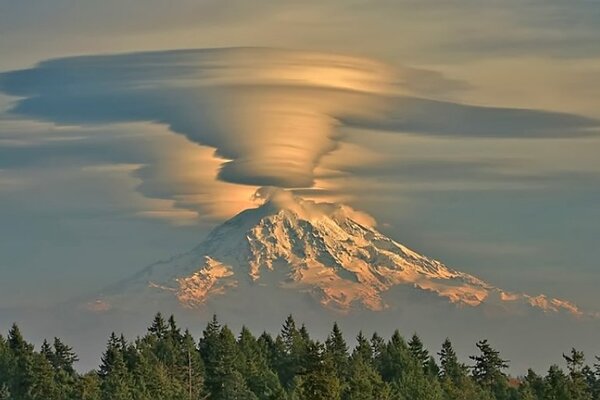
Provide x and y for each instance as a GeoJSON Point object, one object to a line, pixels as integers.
{"type": "Point", "coordinates": [63, 357]}
{"type": "Point", "coordinates": [450, 368]}
{"type": "Point", "coordinates": [62, 360]}
{"type": "Point", "coordinates": [535, 383]}
{"type": "Point", "coordinates": [261, 380]}
{"type": "Point", "coordinates": [116, 379]}
{"type": "Point", "coordinates": [46, 351]}
{"type": "Point", "coordinates": [20, 371]}
{"type": "Point", "coordinates": [363, 381]}
{"type": "Point", "coordinates": [418, 351]}
{"type": "Point", "coordinates": [44, 385]}
{"type": "Point", "coordinates": [488, 370]}
{"type": "Point", "coordinates": [210, 351]}
{"type": "Point", "coordinates": [578, 385]}
{"type": "Point", "coordinates": [337, 350]}
{"type": "Point", "coordinates": [363, 349]}
{"type": "Point", "coordinates": [320, 381]}
{"type": "Point", "coordinates": [221, 357]}
{"type": "Point", "coordinates": [158, 326]}
{"type": "Point", "coordinates": [377, 350]}
{"type": "Point", "coordinates": [230, 384]}
{"type": "Point", "coordinates": [192, 372]}
{"type": "Point", "coordinates": [291, 348]}
{"type": "Point", "coordinates": [395, 358]}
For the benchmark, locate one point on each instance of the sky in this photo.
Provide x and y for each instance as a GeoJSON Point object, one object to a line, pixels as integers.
{"type": "Point", "coordinates": [470, 131]}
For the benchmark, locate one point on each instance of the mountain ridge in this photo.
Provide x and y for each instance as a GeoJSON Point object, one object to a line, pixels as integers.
{"type": "Point", "coordinates": [329, 251]}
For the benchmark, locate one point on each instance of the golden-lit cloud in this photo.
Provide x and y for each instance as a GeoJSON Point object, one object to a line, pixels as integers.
{"type": "Point", "coordinates": [270, 114]}
{"type": "Point", "coordinates": [214, 125]}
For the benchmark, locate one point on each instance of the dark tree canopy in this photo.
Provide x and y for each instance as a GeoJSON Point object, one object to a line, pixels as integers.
{"type": "Point", "coordinates": [168, 363]}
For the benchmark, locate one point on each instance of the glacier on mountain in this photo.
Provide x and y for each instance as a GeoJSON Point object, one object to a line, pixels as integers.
{"type": "Point", "coordinates": [329, 251]}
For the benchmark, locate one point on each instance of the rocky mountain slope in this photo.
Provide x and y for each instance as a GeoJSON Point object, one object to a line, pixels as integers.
{"type": "Point", "coordinates": [328, 251]}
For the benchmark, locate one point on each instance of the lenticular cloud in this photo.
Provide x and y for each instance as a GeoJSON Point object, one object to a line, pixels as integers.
{"type": "Point", "coordinates": [255, 117]}
{"type": "Point", "coordinates": [270, 114]}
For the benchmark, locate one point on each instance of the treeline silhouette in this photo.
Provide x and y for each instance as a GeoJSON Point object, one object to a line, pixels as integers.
{"type": "Point", "coordinates": [169, 364]}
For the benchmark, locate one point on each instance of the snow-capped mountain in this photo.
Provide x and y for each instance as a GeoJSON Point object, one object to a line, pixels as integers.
{"type": "Point", "coordinates": [329, 251]}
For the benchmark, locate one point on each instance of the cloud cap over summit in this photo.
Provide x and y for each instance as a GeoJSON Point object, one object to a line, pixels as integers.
{"type": "Point", "coordinates": [270, 114]}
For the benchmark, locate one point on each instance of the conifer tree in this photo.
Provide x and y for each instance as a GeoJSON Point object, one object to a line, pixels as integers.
{"type": "Point", "coordinates": [556, 384]}
{"type": "Point", "coordinates": [263, 382]}
{"type": "Point", "coordinates": [209, 350]}
{"type": "Point", "coordinates": [395, 358]}
{"type": "Point", "coordinates": [109, 356]}
{"type": "Point", "coordinates": [404, 366]}
{"type": "Point", "coordinates": [418, 351]}
{"type": "Point", "coordinates": [43, 384]}
{"type": "Point", "coordinates": [116, 380]}
{"type": "Point", "coordinates": [171, 346]}
{"type": "Point", "coordinates": [152, 378]}
{"type": "Point", "coordinates": [454, 379]}
{"type": "Point", "coordinates": [268, 348]}
{"type": "Point", "coordinates": [591, 381]}
{"type": "Point", "coordinates": [488, 370]}
{"type": "Point", "coordinates": [432, 369]}
{"type": "Point", "coordinates": [337, 351]}
{"type": "Point", "coordinates": [363, 349]}
{"type": "Point", "coordinates": [63, 357]}
{"type": "Point", "coordinates": [304, 335]}
{"type": "Point", "coordinates": [291, 348]}
{"type": "Point", "coordinates": [158, 326]}
{"type": "Point", "coordinates": [378, 348]}
{"type": "Point", "coordinates": [535, 383]}
{"type": "Point", "coordinates": [221, 357]}
{"type": "Point", "coordinates": [289, 334]}
{"type": "Point", "coordinates": [450, 368]}
{"type": "Point", "coordinates": [20, 373]}
{"type": "Point", "coordinates": [229, 383]}
{"type": "Point", "coordinates": [363, 381]}
{"type": "Point", "coordinates": [320, 381]}
{"type": "Point", "coordinates": [5, 361]}
{"type": "Point", "coordinates": [414, 384]}
{"type": "Point", "coordinates": [192, 373]}
{"type": "Point", "coordinates": [578, 388]}
{"type": "Point", "coordinates": [46, 351]}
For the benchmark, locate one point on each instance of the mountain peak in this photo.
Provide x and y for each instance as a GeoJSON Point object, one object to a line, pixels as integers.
{"type": "Point", "coordinates": [330, 251]}
{"type": "Point", "coordinates": [285, 202]}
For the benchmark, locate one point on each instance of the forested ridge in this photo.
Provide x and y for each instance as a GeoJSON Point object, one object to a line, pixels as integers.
{"type": "Point", "coordinates": [168, 363]}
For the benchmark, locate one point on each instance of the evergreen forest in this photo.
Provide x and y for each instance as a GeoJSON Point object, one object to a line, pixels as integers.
{"type": "Point", "coordinates": [169, 363]}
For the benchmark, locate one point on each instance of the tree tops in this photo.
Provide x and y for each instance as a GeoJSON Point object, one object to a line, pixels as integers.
{"type": "Point", "coordinates": [168, 363]}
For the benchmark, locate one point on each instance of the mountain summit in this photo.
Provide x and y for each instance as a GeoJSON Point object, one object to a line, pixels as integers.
{"type": "Point", "coordinates": [328, 251]}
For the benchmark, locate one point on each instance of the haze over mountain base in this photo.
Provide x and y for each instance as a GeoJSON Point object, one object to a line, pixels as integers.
{"type": "Point", "coordinates": [534, 340]}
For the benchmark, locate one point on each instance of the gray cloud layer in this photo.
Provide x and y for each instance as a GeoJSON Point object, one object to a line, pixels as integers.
{"type": "Point", "coordinates": [439, 118]}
